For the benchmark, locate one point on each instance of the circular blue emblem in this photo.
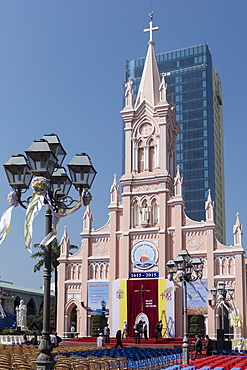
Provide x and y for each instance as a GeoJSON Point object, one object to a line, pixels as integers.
{"type": "Point", "coordinates": [144, 255]}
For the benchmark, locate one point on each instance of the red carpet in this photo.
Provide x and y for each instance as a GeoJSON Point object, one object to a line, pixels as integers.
{"type": "Point", "coordinates": [177, 342]}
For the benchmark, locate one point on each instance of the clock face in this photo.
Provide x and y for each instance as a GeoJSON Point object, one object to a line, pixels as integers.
{"type": "Point", "coordinates": [144, 255]}
{"type": "Point", "coordinates": [146, 129]}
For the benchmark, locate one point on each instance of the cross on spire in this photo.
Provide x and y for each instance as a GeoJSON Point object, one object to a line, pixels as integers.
{"type": "Point", "coordinates": [151, 28]}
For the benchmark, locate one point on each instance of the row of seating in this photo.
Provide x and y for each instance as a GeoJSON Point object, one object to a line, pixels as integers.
{"type": "Point", "coordinates": [18, 357]}
{"type": "Point", "coordinates": [222, 363]}
{"type": "Point", "coordinates": [227, 362]}
{"type": "Point", "coordinates": [135, 357]}
{"type": "Point", "coordinates": [225, 352]}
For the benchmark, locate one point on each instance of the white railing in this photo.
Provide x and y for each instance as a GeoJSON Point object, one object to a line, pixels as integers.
{"type": "Point", "coordinates": [15, 339]}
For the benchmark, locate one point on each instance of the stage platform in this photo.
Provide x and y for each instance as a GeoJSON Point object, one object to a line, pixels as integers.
{"type": "Point", "coordinates": [163, 342]}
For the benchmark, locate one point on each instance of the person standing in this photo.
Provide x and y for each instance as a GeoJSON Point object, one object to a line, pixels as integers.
{"type": "Point", "coordinates": [100, 340]}
{"type": "Point", "coordinates": [107, 333]}
{"type": "Point", "coordinates": [59, 339]}
{"type": "Point", "coordinates": [118, 339]}
{"type": "Point", "coordinates": [208, 346]}
{"type": "Point", "coordinates": [53, 339]}
{"type": "Point", "coordinates": [125, 329]}
{"type": "Point", "coordinates": [138, 329]}
{"type": "Point", "coordinates": [158, 330]}
{"type": "Point", "coordinates": [34, 340]}
{"type": "Point", "coordinates": [198, 347]}
{"type": "Point", "coordinates": [145, 330]}
{"type": "Point", "coordinates": [72, 330]}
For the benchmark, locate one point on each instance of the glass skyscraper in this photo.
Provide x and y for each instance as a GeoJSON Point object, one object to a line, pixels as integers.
{"type": "Point", "coordinates": [197, 91]}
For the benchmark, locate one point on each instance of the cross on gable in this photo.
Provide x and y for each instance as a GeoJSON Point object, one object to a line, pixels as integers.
{"type": "Point", "coordinates": [151, 28]}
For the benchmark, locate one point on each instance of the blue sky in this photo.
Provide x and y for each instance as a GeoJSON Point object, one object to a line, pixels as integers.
{"type": "Point", "coordinates": [62, 69]}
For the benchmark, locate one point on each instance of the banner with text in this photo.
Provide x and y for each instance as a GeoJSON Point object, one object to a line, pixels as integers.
{"type": "Point", "coordinates": [98, 298]}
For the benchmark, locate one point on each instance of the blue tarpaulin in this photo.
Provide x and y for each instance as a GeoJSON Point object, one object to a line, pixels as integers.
{"type": "Point", "coordinates": [9, 321]}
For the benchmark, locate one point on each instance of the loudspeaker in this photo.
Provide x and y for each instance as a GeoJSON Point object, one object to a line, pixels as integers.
{"type": "Point", "coordinates": [214, 344]}
{"type": "Point", "coordinates": [220, 334]}
{"type": "Point", "coordinates": [220, 345]}
{"type": "Point", "coordinates": [228, 345]}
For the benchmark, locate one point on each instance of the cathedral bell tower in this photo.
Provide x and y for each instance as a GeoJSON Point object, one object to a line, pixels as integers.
{"type": "Point", "coordinates": [150, 142]}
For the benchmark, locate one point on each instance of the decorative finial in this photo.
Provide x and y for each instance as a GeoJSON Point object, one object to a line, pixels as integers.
{"type": "Point", "coordinates": [151, 28]}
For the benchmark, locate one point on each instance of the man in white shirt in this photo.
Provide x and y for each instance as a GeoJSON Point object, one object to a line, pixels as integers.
{"type": "Point", "coordinates": [53, 340]}
{"type": "Point", "coordinates": [100, 340]}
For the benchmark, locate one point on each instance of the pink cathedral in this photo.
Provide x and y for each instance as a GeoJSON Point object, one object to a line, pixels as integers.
{"type": "Point", "coordinates": [120, 270]}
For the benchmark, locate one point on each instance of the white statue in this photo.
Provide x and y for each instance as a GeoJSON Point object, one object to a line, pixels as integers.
{"type": "Point", "coordinates": [21, 316]}
{"type": "Point", "coordinates": [145, 215]}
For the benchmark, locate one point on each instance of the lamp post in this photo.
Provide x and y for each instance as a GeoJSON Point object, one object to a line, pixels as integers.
{"type": "Point", "coordinates": [44, 158]}
{"type": "Point", "coordinates": [222, 294]}
{"type": "Point", "coordinates": [185, 269]}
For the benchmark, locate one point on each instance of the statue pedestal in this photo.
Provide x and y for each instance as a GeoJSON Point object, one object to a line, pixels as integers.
{"type": "Point", "coordinates": [18, 329]}
{"type": "Point", "coordinates": [45, 365]}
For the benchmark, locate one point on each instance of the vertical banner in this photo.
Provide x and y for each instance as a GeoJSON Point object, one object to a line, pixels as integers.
{"type": "Point", "coordinates": [143, 303]}
{"type": "Point", "coordinates": [197, 297]}
{"type": "Point", "coordinates": [98, 298]}
{"type": "Point", "coordinates": [119, 305]}
{"type": "Point", "coordinates": [166, 307]}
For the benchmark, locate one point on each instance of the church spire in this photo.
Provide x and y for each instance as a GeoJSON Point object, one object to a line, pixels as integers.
{"type": "Point", "coordinates": [64, 243]}
{"type": "Point", "coordinates": [209, 207]}
{"type": "Point", "coordinates": [114, 192]}
{"type": "Point", "coordinates": [178, 183]}
{"type": "Point", "coordinates": [163, 89]}
{"type": "Point", "coordinates": [237, 231]}
{"type": "Point", "coordinates": [87, 219]}
{"type": "Point", "coordinates": [150, 81]}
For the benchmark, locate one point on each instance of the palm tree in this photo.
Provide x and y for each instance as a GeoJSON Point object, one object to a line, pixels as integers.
{"type": "Point", "coordinates": [55, 254]}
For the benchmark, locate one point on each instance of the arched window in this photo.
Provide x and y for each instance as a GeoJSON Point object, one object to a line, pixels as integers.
{"type": "Point", "coordinates": [73, 272]}
{"type": "Point", "coordinates": [107, 271]}
{"type": "Point", "coordinates": [151, 156]}
{"type": "Point", "coordinates": [224, 266]}
{"type": "Point", "coordinates": [154, 213]}
{"type": "Point", "coordinates": [97, 271]}
{"type": "Point", "coordinates": [217, 266]}
{"type": "Point", "coordinates": [231, 266]}
{"type": "Point", "coordinates": [79, 272]}
{"type": "Point", "coordinates": [68, 272]}
{"type": "Point", "coordinates": [91, 271]}
{"type": "Point", "coordinates": [31, 307]}
{"type": "Point", "coordinates": [16, 302]}
{"type": "Point", "coordinates": [101, 271]}
{"type": "Point", "coordinates": [140, 157]}
{"type": "Point", "coordinates": [135, 214]}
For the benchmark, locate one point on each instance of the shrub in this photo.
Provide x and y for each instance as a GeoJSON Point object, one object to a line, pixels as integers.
{"type": "Point", "coordinates": [196, 326]}
{"type": "Point", "coordinates": [98, 323]}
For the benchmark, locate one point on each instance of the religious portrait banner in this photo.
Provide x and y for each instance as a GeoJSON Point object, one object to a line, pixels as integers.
{"type": "Point", "coordinates": [98, 298]}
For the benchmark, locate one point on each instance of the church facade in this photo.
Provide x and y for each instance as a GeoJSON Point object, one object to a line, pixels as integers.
{"type": "Point", "coordinates": [120, 270]}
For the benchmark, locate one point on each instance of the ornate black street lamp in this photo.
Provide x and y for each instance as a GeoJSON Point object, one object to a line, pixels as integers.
{"type": "Point", "coordinates": [43, 160]}
{"type": "Point", "coordinates": [185, 269]}
{"type": "Point", "coordinates": [222, 294]}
